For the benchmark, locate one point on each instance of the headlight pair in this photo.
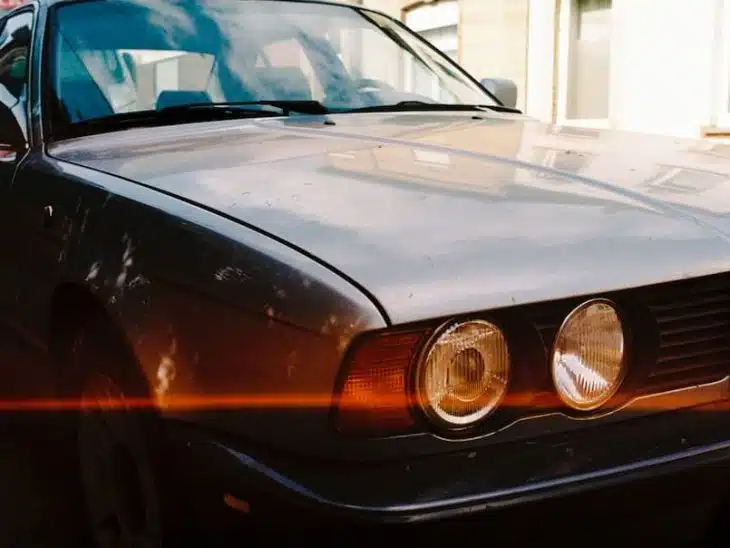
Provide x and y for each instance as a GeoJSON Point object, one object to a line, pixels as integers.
{"type": "Point", "coordinates": [464, 373]}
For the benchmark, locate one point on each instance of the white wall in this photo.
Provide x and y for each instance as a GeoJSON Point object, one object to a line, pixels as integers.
{"type": "Point", "coordinates": [664, 73]}
{"type": "Point", "coordinates": [540, 79]}
{"type": "Point", "coordinates": [493, 37]}
{"type": "Point", "coordinates": [394, 8]}
{"type": "Point", "coordinates": [663, 69]}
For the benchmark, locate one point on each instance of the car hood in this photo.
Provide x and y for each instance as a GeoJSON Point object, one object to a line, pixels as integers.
{"type": "Point", "coordinates": [441, 213]}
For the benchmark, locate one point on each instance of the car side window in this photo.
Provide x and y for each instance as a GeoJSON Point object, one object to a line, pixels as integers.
{"type": "Point", "coordinates": [15, 40]}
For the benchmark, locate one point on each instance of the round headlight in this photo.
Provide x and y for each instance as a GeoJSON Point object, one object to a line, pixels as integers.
{"type": "Point", "coordinates": [588, 362]}
{"type": "Point", "coordinates": [463, 376]}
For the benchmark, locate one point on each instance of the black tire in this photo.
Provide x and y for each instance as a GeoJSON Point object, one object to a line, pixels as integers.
{"type": "Point", "coordinates": [120, 447]}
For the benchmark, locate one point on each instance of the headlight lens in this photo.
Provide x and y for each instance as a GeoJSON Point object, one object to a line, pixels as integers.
{"type": "Point", "coordinates": [465, 373]}
{"type": "Point", "coordinates": [588, 362]}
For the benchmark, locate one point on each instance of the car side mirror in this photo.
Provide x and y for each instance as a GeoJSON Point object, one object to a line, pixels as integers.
{"type": "Point", "coordinates": [12, 138]}
{"type": "Point", "coordinates": [503, 89]}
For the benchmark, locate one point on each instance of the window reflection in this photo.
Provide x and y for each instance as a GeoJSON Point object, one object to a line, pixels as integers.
{"type": "Point", "coordinates": [677, 180]}
{"type": "Point", "coordinates": [562, 160]}
{"type": "Point", "coordinates": [136, 53]}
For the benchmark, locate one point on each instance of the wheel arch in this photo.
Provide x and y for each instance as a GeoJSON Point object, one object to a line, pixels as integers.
{"type": "Point", "coordinates": [74, 304]}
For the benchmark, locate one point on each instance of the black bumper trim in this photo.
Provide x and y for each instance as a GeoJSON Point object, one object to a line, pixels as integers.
{"type": "Point", "coordinates": [292, 493]}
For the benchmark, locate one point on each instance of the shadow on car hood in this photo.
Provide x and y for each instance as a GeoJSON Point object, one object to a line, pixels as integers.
{"type": "Point", "coordinates": [441, 213]}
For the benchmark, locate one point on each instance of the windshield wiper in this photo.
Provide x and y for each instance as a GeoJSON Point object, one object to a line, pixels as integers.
{"type": "Point", "coordinates": [190, 113]}
{"type": "Point", "coordinates": [284, 107]}
{"type": "Point", "coordinates": [156, 118]}
{"type": "Point", "coordinates": [415, 106]}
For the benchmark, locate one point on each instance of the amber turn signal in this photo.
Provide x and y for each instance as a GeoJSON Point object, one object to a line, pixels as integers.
{"type": "Point", "coordinates": [374, 394]}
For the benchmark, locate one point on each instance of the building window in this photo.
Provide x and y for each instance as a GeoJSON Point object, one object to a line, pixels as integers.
{"type": "Point", "coordinates": [585, 61]}
{"type": "Point", "coordinates": [439, 24]}
{"type": "Point", "coordinates": [681, 180]}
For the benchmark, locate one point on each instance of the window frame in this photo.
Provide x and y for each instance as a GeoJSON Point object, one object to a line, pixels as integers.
{"type": "Point", "coordinates": [22, 108]}
{"type": "Point", "coordinates": [567, 24]}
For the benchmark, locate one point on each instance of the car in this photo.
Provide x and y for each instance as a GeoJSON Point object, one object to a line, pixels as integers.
{"type": "Point", "coordinates": [294, 249]}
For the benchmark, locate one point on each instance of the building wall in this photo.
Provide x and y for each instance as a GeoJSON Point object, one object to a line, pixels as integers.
{"type": "Point", "coordinates": [394, 8]}
{"type": "Point", "coordinates": [668, 69]}
{"type": "Point", "coordinates": [664, 80]}
{"type": "Point", "coordinates": [494, 40]}
{"type": "Point", "coordinates": [492, 37]}
{"type": "Point", "coordinates": [669, 60]}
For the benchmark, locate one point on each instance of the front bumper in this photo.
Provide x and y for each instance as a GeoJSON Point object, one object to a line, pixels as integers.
{"type": "Point", "coordinates": [460, 484]}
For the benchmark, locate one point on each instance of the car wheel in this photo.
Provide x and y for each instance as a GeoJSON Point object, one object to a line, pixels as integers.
{"type": "Point", "coordinates": [118, 444]}
{"type": "Point", "coordinates": [116, 473]}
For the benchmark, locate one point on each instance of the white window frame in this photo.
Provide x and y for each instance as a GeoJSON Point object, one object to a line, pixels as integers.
{"type": "Point", "coordinates": [567, 28]}
{"type": "Point", "coordinates": [723, 93]}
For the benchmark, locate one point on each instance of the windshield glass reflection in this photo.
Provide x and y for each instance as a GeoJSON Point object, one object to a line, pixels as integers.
{"type": "Point", "coordinates": [112, 57]}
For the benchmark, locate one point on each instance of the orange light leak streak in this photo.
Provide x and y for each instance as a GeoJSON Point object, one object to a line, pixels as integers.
{"type": "Point", "coordinates": [309, 401]}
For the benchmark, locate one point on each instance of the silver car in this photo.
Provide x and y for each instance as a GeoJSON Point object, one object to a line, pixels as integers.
{"type": "Point", "coordinates": [290, 252]}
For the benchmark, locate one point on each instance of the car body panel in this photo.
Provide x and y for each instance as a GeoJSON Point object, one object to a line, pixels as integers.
{"type": "Point", "coordinates": [474, 481]}
{"type": "Point", "coordinates": [210, 308]}
{"type": "Point", "coordinates": [440, 214]}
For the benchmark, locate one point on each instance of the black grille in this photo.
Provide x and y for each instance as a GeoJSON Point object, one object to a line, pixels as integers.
{"type": "Point", "coordinates": [693, 317]}
{"type": "Point", "coordinates": [694, 326]}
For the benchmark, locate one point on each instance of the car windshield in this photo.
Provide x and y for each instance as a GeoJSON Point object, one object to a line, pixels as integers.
{"type": "Point", "coordinates": [112, 58]}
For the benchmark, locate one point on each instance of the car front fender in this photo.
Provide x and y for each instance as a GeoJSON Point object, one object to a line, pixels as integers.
{"type": "Point", "coordinates": [230, 327]}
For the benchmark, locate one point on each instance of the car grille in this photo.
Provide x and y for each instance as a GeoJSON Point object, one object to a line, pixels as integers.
{"type": "Point", "coordinates": [694, 326]}
{"type": "Point", "coordinates": [693, 319]}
